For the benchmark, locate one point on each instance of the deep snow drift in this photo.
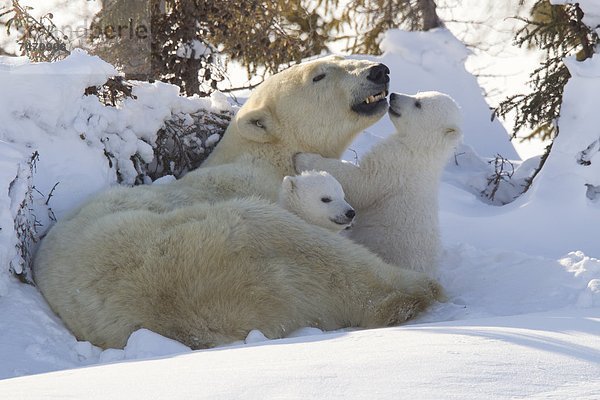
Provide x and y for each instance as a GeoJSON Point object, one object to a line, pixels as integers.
{"type": "Point", "coordinates": [533, 255]}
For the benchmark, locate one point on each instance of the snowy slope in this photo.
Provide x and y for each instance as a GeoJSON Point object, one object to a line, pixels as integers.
{"type": "Point", "coordinates": [535, 356]}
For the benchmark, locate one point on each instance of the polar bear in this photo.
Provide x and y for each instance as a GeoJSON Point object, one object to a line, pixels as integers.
{"type": "Point", "coordinates": [395, 188]}
{"type": "Point", "coordinates": [207, 258]}
{"type": "Point", "coordinates": [318, 198]}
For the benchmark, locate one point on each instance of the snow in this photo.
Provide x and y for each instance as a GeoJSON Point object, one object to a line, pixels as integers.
{"type": "Point", "coordinates": [555, 216]}
{"type": "Point", "coordinates": [11, 165]}
{"type": "Point", "coordinates": [195, 49]}
{"type": "Point", "coordinates": [212, 139]}
{"type": "Point", "coordinates": [64, 135]}
{"type": "Point", "coordinates": [522, 316]}
{"type": "Point", "coordinates": [255, 336]}
{"type": "Point", "coordinates": [535, 356]}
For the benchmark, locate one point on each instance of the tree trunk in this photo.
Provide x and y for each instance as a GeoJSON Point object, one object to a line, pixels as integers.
{"type": "Point", "coordinates": [430, 18]}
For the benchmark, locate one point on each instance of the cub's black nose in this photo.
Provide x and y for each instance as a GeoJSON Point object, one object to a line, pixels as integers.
{"type": "Point", "coordinates": [379, 74]}
{"type": "Point", "coordinates": [350, 214]}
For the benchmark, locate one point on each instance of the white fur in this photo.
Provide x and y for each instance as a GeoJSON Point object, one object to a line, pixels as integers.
{"type": "Point", "coordinates": [206, 259]}
{"type": "Point", "coordinates": [317, 198]}
{"type": "Point", "coordinates": [395, 188]}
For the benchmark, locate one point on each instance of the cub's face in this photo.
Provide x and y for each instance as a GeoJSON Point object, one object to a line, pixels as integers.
{"type": "Point", "coordinates": [317, 106]}
{"type": "Point", "coordinates": [318, 198]}
{"type": "Point", "coordinates": [427, 120]}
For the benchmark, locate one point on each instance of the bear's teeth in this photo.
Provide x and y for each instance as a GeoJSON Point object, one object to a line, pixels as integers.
{"type": "Point", "coordinates": [377, 97]}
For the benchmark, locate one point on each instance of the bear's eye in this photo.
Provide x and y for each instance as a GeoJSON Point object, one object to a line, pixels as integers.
{"type": "Point", "coordinates": [318, 77]}
{"type": "Point", "coordinates": [418, 104]}
{"type": "Point", "coordinates": [257, 122]}
{"type": "Point", "coordinates": [326, 199]}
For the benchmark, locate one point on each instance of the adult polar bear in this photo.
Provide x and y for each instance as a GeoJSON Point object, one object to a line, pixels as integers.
{"type": "Point", "coordinates": [206, 259]}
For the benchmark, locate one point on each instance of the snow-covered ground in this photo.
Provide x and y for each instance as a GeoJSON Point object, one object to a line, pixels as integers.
{"type": "Point", "coordinates": [523, 279]}
{"type": "Point", "coordinates": [537, 356]}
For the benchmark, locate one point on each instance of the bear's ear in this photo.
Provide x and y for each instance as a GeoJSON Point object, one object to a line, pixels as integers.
{"type": "Point", "coordinates": [256, 125]}
{"type": "Point", "coordinates": [289, 183]}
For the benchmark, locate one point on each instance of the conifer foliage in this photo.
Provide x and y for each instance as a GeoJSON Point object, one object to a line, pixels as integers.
{"type": "Point", "coordinates": [189, 42]}
{"type": "Point", "coordinates": [560, 32]}
{"type": "Point", "coordinates": [185, 42]}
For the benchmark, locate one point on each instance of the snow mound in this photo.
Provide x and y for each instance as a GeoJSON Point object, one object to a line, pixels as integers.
{"type": "Point", "coordinates": [146, 344]}
{"type": "Point", "coordinates": [574, 163]}
{"type": "Point", "coordinates": [255, 336]}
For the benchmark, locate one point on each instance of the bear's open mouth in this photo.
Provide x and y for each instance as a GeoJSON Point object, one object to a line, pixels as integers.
{"type": "Point", "coordinates": [377, 97]}
{"type": "Point", "coordinates": [372, 104]}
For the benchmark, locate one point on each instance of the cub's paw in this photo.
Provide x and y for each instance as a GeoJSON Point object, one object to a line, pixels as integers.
{"type": "Point", "coordinates": [305, 161]}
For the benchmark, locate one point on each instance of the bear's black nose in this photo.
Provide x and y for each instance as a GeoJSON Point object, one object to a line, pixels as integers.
{"type": "Point", "coordinates": [350, 214]}
{"type": "Point", "coordinates": [379, 74]}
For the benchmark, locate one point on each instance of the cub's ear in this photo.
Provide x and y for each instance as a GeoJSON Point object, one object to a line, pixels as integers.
{"type": "Point", "coordinates": [289, 183]}
{"type": "Point", "coordinates": [256, 125]}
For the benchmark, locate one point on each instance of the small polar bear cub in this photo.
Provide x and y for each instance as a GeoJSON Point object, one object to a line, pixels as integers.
{"type": "Point", "coordinates": [318, 198]}
{"type": "Point", "coordinates": [395, 187]}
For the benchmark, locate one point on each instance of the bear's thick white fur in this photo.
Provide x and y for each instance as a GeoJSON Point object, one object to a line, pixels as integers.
{"type": "Point", "coordinates": [318, 198]}
{"type": "Point", "coordinates": [208, 258]}
{"type": "Point", "coordinates": [395, 188]}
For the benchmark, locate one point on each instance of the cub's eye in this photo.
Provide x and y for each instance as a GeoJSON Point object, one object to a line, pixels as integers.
{"type": "Point", "coordinates": [257, 122]}
{"type": "Point", "coordinates": [318, 77]}
{"type": "Point", "coordinates": [326, 199]}
{"type": "Point", "coordinates": [418, 104]}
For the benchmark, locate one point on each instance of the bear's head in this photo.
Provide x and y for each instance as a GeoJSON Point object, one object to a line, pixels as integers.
{"type": "Point", "coordinates": [427, 121]}
{"type": "Point", "coordinates": [318, 106]}
{"type": "Point", "coordinates": [317, 198]}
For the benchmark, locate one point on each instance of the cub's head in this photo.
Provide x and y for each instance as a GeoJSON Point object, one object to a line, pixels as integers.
{"type": "Point", "coordinates": [317, 198]}
{"type": "Point", "coordinates": [427, 120]}
{"type": "Point", "coordinates": [317, 106]}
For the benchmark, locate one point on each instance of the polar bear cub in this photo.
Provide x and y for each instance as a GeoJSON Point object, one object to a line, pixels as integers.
{"type": "Point", "coordinates": [395, 188]}
{"type": "Point", "coordinates": [318, 198]}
